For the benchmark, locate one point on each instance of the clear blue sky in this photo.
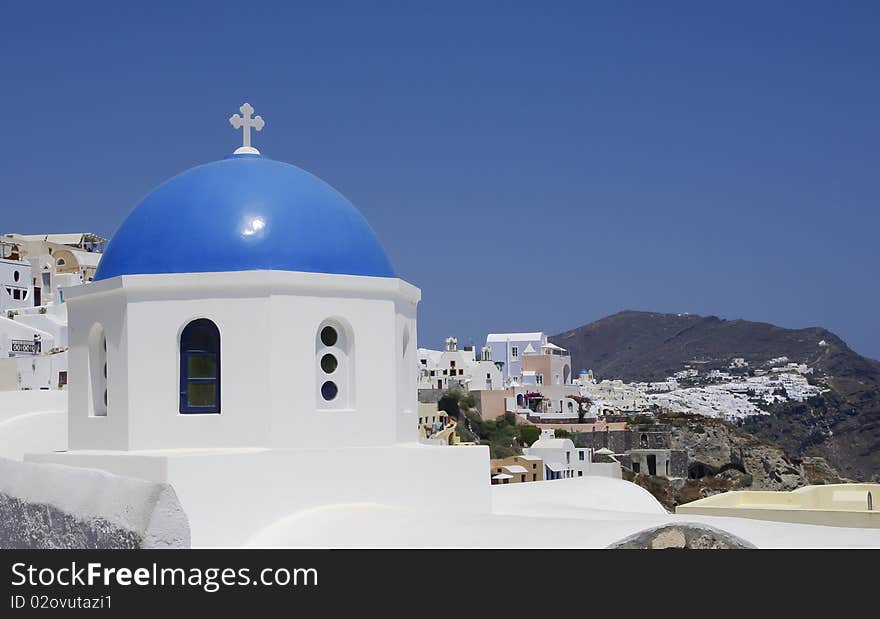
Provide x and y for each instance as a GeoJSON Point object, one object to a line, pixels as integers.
{"type": "Point", "coordinates": [529, 166]}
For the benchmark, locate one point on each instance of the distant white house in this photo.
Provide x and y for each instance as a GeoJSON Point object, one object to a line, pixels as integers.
{"type": "Point", "coordinates": [562, 460]}
{"type": "Point", "coordinates": [442, 369]}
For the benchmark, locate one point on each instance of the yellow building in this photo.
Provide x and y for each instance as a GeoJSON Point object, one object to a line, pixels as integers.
{"type": "Point", "coordinates": [836, 505]}
{"type": "Point", "coordinates": [516, 469]}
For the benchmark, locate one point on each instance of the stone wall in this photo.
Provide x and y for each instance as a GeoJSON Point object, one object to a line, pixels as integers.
{"type": "Point", "coordinates": [618, 441]}
{"type": "Point", "coordinates": [53, 506]}
{"type": "Point", "coordinates": [646, 436]}
{"type": "Point", "coordinates": [430, 396]}
{"type": "Point", "coordinates": [652, 436]}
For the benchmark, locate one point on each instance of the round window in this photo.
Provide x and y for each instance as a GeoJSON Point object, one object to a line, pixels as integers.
{"type": "Point", "coordinates": [329, 336]}
{"type": "Point", "coordinates": [105, 370]}
{"type": "Point", "coordinates": [15, 275]}
{"type": "Point", "coordinates": [329, 363]}
{"type": "Point", "coordinates": [329, 390]}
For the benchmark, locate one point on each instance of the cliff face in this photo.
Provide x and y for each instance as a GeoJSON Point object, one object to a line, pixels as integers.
{"type": "Point", "coordinates": [842, 426]}
{"type": "Point", "coordinates": [722, 457]}
{"type": "Point", "coordinates": [716, 448]}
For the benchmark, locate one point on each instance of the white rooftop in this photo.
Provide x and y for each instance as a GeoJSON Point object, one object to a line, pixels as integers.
{"type": "Point", "coordinates": [552, 346]}
{"type": "Point", "coordinates": [547, 514]}
{"type": "Point", "coordinates": [552, 443]}
{"type": "Point", "coordinates": [86, 258]}
{"type": "Point", "coordinates": [515, 337]}
{"type": "Point", "coordinates": [516, 468]}
{"type": "Point", "coordinates": [70, 238]}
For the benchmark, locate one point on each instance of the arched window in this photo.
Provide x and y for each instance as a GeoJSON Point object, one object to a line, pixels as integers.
{"type": "Point", "coordinates": [200, 367]}
{"type": "Point", "coordinates": [333, 348]}
{"type": "Point", "coordinates": [98, 370]}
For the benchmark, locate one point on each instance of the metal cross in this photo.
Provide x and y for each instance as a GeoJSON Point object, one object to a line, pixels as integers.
{"type": "Point", "coordinates": [245, 122]}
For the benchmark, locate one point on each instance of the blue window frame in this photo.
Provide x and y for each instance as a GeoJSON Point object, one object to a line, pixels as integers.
{"type": "Point", "coordinates": [200, 367]}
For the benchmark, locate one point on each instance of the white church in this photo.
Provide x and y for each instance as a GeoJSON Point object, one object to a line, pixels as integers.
{"type": "Point", "coordinates": [246, 341]}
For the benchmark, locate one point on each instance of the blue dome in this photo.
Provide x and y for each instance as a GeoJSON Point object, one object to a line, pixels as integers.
{"type": "Point", "coordinates": [244, 213]}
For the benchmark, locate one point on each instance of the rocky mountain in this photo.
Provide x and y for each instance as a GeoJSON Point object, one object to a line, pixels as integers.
{"type": "Point", "coordinates": [722, 457]}
{"type": "Point", "coordinates": [842, 425]}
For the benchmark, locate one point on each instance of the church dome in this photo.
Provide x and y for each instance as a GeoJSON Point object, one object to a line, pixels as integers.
{"type": "Point", "coordinates": [243, 213]}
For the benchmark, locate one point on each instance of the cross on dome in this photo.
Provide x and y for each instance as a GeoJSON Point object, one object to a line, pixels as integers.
{"type": "Point", "coordinates": [245, 123]}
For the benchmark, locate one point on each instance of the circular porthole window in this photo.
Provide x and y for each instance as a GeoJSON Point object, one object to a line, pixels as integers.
{"type": "Point", "coordinates": [329, 363]}
{"type": "Point", "coordinates": [329, 336]}
{"type": "Point", "coordinates": [329, 390]}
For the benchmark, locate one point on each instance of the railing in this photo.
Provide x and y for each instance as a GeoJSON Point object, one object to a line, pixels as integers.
{"type": "Point", "coordinates": [29, 347]}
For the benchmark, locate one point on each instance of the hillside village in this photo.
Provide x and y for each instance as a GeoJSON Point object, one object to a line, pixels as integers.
{"type": "Point", "coordinates": [564, 426]}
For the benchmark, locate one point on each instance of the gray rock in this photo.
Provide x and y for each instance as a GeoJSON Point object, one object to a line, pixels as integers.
{"type": "Point", "coordinates": [669, 538]}
{"type": "Point", "coordinates": [682, 536]}
{"type": "Point", "coordinates": [54, 506]}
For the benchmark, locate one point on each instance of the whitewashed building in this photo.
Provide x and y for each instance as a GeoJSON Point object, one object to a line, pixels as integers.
{"type": "Point", "coordinates": [562, 460]}
{"type": "Point", "coordinates": [450, 367]}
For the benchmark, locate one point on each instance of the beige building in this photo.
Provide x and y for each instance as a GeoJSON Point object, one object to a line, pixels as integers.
{"type": "Point", "coordinates": [542, 392]}
{"type": "Point", "coordinates": [516, 469]}
{"type": "Point", "coordinates": [835, 505]}
{"type": "Point", "coordinates": [550, 366]}
{"type": "Point", "coordinates": [432, 420]}
{"type": "Point", "coordinates": [56, 261]}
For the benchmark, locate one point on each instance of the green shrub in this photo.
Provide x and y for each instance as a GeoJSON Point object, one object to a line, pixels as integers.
{"type": "Point", "coordinates": [528, 434]}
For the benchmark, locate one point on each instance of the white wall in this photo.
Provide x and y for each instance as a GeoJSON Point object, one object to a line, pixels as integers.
{"type": "Point", "coordinates": [231, 495]}
{"type": "Point", "coordinates": [407, 371]}
{"type": "Point", "coordinates": [41, 371]}
{"type": "Point", "coordinates": [268, 323]}
{"type": "Point", "coordinates": [32, 422]}
{"type": "Point", "coordinates": [99, 303]}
